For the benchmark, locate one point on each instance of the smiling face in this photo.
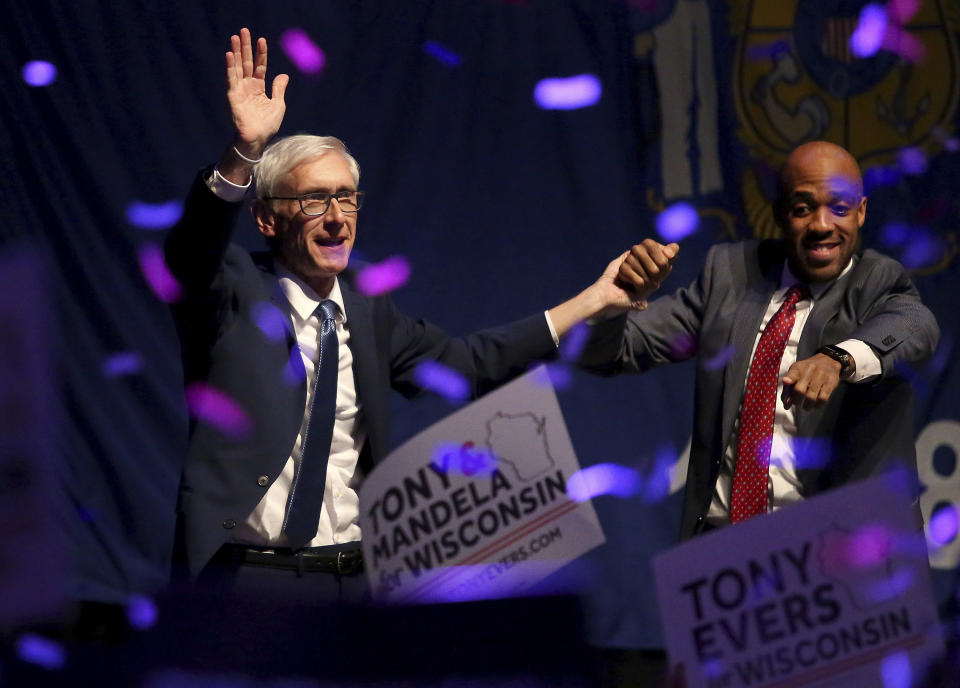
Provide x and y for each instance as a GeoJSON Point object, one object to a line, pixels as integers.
{"type": "Point", "coordinates": [315, 248]}
{"type": "Point", "coordinates": [822, 209]}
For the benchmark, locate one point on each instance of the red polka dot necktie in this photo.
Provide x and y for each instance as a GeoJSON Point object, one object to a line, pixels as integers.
{"type": "Point", "coordinates": [756, 415]}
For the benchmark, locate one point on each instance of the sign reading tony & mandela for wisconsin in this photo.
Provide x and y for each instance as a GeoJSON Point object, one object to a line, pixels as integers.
{"type": "Point", "coordinates": [833, 591]}
{"type": "Point", "coordinates": [476, 506]}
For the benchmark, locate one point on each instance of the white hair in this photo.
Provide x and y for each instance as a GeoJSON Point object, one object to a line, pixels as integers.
{"type": "Point", "coordinates": [285, 154]}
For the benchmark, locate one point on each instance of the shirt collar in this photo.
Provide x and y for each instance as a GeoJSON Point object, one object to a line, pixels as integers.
{"type": "Point", "coordinates": [303, 299]}
{"type": "Point", "coordinates": [817, 289]}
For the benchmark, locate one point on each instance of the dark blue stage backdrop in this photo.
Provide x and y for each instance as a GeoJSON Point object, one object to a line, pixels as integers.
{"type": "Point", "coordinates": [503, 205]}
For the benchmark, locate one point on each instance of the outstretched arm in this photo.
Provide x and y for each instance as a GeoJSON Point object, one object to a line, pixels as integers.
{"type": "Point", "coordinates": [256, 117]}
{"type": "Point", "coordinates": [625, 285]}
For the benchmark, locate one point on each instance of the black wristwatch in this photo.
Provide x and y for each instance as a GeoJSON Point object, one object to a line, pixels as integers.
{"type": "Point", "coordinates": [847, 365]}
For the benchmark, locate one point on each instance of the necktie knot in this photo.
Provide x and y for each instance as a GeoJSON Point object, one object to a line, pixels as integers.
{"type": "Point", "coordinates": [327, 310]}
{"type": "Point", "coordinates": [798, 292]}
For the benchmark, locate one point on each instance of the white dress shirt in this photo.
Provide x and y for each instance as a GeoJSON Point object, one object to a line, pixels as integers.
{"type": "Point", "coordinates": [782, 481]}
{"type": "Point", "coordinates": [340, 512]}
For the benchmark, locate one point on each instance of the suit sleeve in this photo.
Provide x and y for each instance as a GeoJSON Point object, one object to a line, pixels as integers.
{"type": "Point", "coordinates": [486, 359]}
{"type": "Point", "coordinates": [666, 332]}
{"type": "Point", "coordinates": [891, 319]}
{"type": "Point", "coordinates": [196, 247]}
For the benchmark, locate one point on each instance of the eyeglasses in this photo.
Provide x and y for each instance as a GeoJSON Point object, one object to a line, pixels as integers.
{"type": "Point", "coordinates": [317, 203]}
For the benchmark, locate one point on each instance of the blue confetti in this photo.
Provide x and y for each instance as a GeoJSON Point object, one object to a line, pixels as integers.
{"type": "Point", "coordinates": [39, 73]}
{"type": "Point", "coordinates": [442, 54]}
{"type": "Point", "coordinates": [603, 479]}
{"type": "Point", "coordinates": [442, 380]}
{"type": "Point", "coordinates": [154, 215]}
{"type": "Point", "coordinates": [41, 651]}
{"type": "Point", "coordinates": [568, 93]}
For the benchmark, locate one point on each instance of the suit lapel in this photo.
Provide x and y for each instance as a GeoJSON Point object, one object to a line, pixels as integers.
{"type": "Point", "coordinates": [825, 309]}
{"type": "Point", "coordinates": [365, 367]}
{"type": "Point", "coordinates": [763, 279]}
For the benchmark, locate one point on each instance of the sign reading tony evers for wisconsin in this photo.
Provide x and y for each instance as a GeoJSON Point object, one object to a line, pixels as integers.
{"type": "Point", "coordinates": [476, 505]}
{"type": "Point", "coordinates": [833, 591]}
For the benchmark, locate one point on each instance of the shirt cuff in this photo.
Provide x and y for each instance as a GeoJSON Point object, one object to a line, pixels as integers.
{"type": "Point", "coordinates": [868, 365]}
{"type": "Point", "coordinates": [224, 189]}
{"type": "Point", "coordinates": [553, 330]}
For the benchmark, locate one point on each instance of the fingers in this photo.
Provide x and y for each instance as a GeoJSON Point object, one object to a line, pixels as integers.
{"type": "Point", "coordinates": [246, 52]}
{"type": "Point", "coordinates": [810, 383]}
{"type": "Point", "coordinates": [647, 264]}
{"type": "Point", "coordinates": [260, 68]}
{"type": "Point", "coordinates": [280, 82]}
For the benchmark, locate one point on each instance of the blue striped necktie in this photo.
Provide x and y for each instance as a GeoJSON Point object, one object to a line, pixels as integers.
{"type": "Point", "coordinates": [306, 493]}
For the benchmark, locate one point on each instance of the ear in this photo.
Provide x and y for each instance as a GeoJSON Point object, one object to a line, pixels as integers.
{"type": "Point", "coordinates": [862, 211]}
{"type": "Point", "coordinates": [265, 218]}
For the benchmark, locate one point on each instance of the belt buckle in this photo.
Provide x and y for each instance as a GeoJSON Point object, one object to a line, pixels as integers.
{"type": "Point", "coordinates": [340, 563]}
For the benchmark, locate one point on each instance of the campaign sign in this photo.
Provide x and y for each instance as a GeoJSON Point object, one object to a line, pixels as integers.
{"type": "Point", "coordinates": [476, 506]}
{"type": "Point", "coordinates": [833, 591]}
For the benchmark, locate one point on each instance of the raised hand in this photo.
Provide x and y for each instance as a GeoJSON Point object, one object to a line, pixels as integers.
{"type": "Point", "coordinates": [256, 116]}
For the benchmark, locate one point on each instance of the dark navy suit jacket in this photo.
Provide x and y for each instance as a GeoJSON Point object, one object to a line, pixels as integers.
{"type": "Point", "coordinates": [861, 430]}
{"type": "Point", "coordinates": [225, 291]}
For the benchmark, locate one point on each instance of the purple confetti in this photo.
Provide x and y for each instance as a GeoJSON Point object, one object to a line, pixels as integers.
{"type": "Point", "coordinates": [602, 479]}
{"type": "Point", "coordinates": [923, 251]}
{"type": "Point", "coordinates": [39, 73]}
{"type": "Point", "coordinates": [762, 51]}
{"type": "Point", "coordinates": [868, 547]}
{"type": "Point", "coordinates": [877, 177]}
{"type": "Point", "coordinates": [721, 359]}
{"type": "Point", "coordinates": [122, 363]}
{"type": "Point", "coordinates": [895, 670]}
{"type": "Point", "coordinates": [904, 44]}
{"type": "Point", "coordinates": [889, 588]}
{"type": "Point", "coordinates": [464, 459]}
{"type": "Point", "coordinates": [556, 375]}
{"type": "Point", "coordinates": [141, 612]}
{"type": "Point", "coordinates": [271, 320]}
{"type": "Point", "coordinates": [902, 11]}
{"type": "Point", "coordinates": [386, 276]}
{"type": "Point", "coordinates": [871, 28]}
{"type": "Point", "coordinates": [442, 380]}
{"type": "Point", "coordinates": [154, 215]}
{"type": "Point", "coordinates": [41, 651]}
{"type": "Point", "coordinates": [157, 274]}
{"type": "Point", "coordinates": [294, 373]}
{"type": "Point", "coordinates": [812, 453]}
{"type": "Point", "coordinates": [657, 487]}
{"type": "Point", "coordinates": [572, 345]}
{"type": "Point", "coordinates": [568, 93]}
{"type": "Point", "coordinates": [896, 233]}
{"type": "Point", "coordinates": [943, 526]}
{"type": "Point", "coordinates": [912, 160]}
{"type": "Point", "coordinates": [208, 404]}
{"type": "Point", "coordinates": [683, 346]}
{"type": "Point", "coordinates": [677, 221]}
{"type": "Point", "coordinates": [442, 54]}
{"type": "Point", "coordinates": [302, 51]}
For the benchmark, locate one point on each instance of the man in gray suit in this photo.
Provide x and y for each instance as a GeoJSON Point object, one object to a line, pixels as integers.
{"type": "Point", "coordinates": [836, 410]}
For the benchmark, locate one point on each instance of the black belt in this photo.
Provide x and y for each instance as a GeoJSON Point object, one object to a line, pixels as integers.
{"type": "Point", "coordinates": [343, 562]}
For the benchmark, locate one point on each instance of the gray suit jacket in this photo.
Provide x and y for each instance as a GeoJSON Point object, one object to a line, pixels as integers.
{"type": "Point", "coordinates": [863, 430]}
